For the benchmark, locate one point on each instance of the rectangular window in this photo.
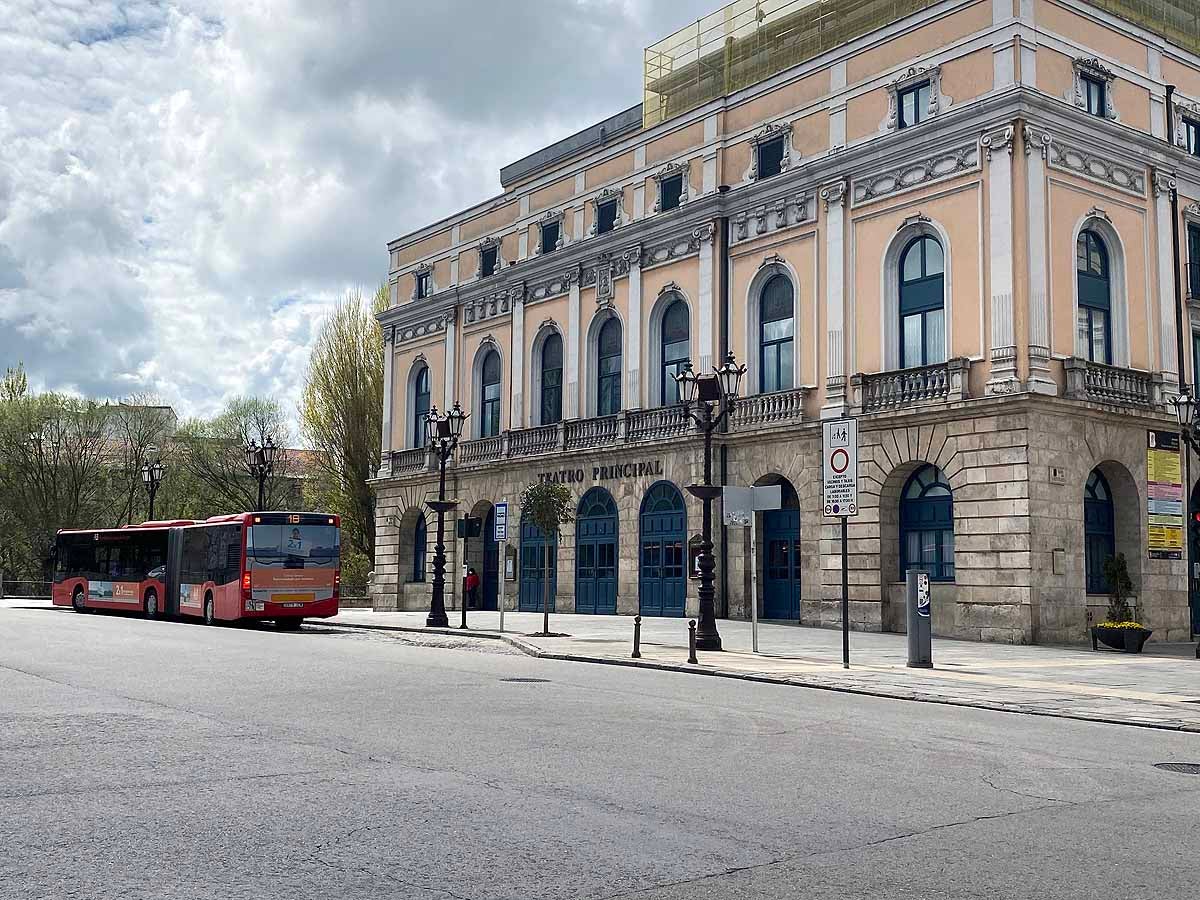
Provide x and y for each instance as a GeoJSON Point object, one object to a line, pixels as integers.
{"type": "Point", "coordinates": [549, 237]}
{"type": "Point", "coordinates": [424, 284]}
{"type": "Point", "coordinates": [1191, 136]}
{"type": "Point", "coordinates": [670, 191]}
{"type": "Point", "coordinates": [1193, 262]}
{"type": "Point", "coordinates": [770, 157]}
{"type": "Point", "coordinates": [487, 261]}
{"type": "Point", "coordinates": [1195, 355]}
{"type": "Point", "coordinates": [1094, 95]}
{"type": "Point", "coordinates": [1093, 335]}
{"type": "Point", "coordinates": [606, 217]}
{"type": "Point", "coordinates": [913, 104]}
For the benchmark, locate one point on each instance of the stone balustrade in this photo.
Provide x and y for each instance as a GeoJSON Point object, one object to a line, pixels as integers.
{"type": "Point", "coordinates": [406, 462]}
{"type": "Point", "coordinates": [775, 408]}
{"type": "Point", "coordinates": [906, 388]}
{"type": "Point", "coordinates": [1113, 385]}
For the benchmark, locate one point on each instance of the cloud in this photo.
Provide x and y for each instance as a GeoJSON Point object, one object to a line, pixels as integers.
{"type": "Point", "coordinates": [186, 187]}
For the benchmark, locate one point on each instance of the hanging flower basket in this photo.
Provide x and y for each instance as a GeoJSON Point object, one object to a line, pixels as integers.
{"type": "Point", "coordinates": [1127, 636]}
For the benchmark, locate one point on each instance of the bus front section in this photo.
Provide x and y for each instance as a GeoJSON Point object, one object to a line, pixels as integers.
{"type": "Point", "coordinates": [292, 567]}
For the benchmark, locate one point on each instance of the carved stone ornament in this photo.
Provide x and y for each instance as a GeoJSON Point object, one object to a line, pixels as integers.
{"type": "Point", "coordinates": [1184, 110]}
{"type": "Point", "coordinates": [998, 139]}
{"type": "Point", "coordinates": [553, 285]}
{"type": "Point", "coordinates": [1164, 183]}
{"type": "Point", "coordinates": [605, 196]}
{"type": "Point", "coordinates": [604, 283]}
{"type": "Point", "coordinates": [678, 247]}
{"type": "Point", "coordinates": [897, 179]}
{"type": "Point", "coordinates": [1077, 161]}
{"type": "Point", "coordinates": [1092, 68]}
{"type": "Point", "coordinates": [549, 218]}
{"type": "Point", "coordinates": [1036, 140]}
{"type": "Point", "coordinates": [487, 244]}
{"type": "Point", "coordinates": [423, 269]}
{"type": "Point", "coordinates": [833, 194]}
{"type": "Point", "coordinates": [1192, 211]}
{"type": "Point", "coordinates": [488, 307]}
{"type": "Point", "coordinates": [918, 219]}
{"type": "Point", "coordinates": [766, 135]}
{"type": "Point", "coordinates": [911, 78]}
{"type": "Point", "coordinates": [774, 215]}
{"type": "Point", "coordinates": [669, 288]}
{"type": "Point", "coordinates": [1097, 212]}
{"type": "Point", "coordinates": [424, 328]}
{"type": "Point", "coordinates": [668, 171]}
{"type": "Point", "coordinates": [389, 334]}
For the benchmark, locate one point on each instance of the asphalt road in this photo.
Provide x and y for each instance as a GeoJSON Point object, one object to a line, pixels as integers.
{"type": "Point", "coordinates": [164, 760]}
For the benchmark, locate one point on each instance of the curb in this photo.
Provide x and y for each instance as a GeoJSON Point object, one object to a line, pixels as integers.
{"type": "Point", "coordinates": [801, 682]}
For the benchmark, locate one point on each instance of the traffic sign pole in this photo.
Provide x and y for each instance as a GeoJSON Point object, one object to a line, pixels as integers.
{"type": "Point", "coordinates": [500, 536]}
{"type": "Point", "coordinates": [840, 498]}
{"type": "Point", "coordinates": [845, 597]}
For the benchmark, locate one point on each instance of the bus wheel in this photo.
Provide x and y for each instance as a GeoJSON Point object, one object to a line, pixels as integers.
{"type": "Point", "coordinates": [151, 604]}
{"type": "Point", "coordinates": [210, 617]}
{"type": "Point", "coordinates": [77, 600]}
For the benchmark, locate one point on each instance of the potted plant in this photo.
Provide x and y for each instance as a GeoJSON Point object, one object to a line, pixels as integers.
{"type": "Point", "coordinates": [1119, 629]}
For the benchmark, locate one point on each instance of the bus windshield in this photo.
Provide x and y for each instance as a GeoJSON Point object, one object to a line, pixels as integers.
{"type": "Point", "coordinates": [293, 546]}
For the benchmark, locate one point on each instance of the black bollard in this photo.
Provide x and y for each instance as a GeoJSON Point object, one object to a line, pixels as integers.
{"type": "Point", "coordinates": [637, 637]}
{"type": "Point", "coordinates": [692, 641]}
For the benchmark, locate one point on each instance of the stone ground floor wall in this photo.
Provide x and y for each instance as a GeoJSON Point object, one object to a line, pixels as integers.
{"type": "Point", "coordinates": [1017, 467]}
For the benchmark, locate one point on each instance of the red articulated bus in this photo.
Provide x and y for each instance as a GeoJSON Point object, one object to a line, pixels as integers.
{"type": "Point", "coordinates": [269, 565]}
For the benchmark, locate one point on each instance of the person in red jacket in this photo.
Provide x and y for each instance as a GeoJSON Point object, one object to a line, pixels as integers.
{"type": "Point", "coordinates": [472, 586]}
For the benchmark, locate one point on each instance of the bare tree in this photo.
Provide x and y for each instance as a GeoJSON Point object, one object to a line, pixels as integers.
{"type": "Point", "coordinates": [137, 425]}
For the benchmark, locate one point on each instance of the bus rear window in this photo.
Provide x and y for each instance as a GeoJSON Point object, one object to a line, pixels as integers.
{"type": "Point", "coordinates": [271, 543]}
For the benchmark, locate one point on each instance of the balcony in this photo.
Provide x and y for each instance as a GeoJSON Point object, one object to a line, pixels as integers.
{"type": "Point", "coordinates": [627, 428]}
{"type": "Point", "coordinates": [908, 388]}
{"type": "Point", "coordinates": [1113, 385]}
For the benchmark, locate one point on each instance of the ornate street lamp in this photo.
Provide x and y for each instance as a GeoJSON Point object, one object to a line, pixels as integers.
{"type": "Point", "coordinates": [261, 463]}
{"type": "Point", "coordinates": [707, 401]}
{"type": "Point", "coordinates": [1185, 412]}
{"type": "Point", "coordinates": [443, 434]}
{"type": "Point", "coordinates": [152, 475]}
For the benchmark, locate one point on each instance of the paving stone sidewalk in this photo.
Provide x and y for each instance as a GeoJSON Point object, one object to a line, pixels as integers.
{"type": "Point", "coordinates": [1150, 690]}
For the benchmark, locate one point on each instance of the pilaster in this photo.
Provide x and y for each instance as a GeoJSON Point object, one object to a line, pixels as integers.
{"type": "Point", "coordinates": [389, 354]}
{"type": "Point", "coordinates": [705, 235]}
{"type": "Point", "coordinates": [1164, 184]}
{"type": "Point", "coordinates": [834, 198]}
{"type": "Point", "coordinates": [633, 348]}
{"type": "Point", "coordinates": [573, 339]}
{"type": "Point", "coordinates": [516, 413]}
{"type": "Point", "coordinates": [451, 376]}
{"type": "Point", "coordinates": [1037, 148]}
{"type": "Point", "coordinates": [998, 153]}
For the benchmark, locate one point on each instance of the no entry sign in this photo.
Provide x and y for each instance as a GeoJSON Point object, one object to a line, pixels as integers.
{"type": "Point", "coordinates": [840, 454]}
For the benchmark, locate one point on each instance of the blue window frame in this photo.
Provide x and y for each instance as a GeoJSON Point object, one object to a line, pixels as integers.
{"type": "Point", "coordinates": [1095, 314]}
{"type": "Point", "coordinates": [608, 368]}
{"type": "Point", "coordinates": [777, 334]}
{"type": "Point", "coordinates": [552, 370]}
{"type": "Point", "coordinates": [489, 422]}
{"type": "Point", "coordinates": [922, 303]}
{"type": "Point", "coordinates": [1095, 97]}
{"type": "Point", "coordinates": [420, 406]}
{"type": "Point", "coordinates": [420, 548]}
{"type": "Point", "coordinates": [927, 524]}
{"type": "Point", "coordinates": [1098, 531]}
{"type": "Point", "coordinates": [675, 349]}
{"type": "Point", "coordinates": [913, 104]}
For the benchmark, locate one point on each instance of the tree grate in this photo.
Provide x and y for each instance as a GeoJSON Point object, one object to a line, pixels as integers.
{"type": "Point", "coordinates": [1179, 768]}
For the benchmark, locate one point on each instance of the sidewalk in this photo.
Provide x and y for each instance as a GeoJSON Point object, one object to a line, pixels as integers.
{"type": "Point", "coordinates": [1155, 691]}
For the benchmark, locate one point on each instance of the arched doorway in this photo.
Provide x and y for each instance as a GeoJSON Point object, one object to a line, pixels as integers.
{"type": "Point", "coordinates": [596, 554]}
{"type": "Point", "coordinates": [1099, 531]}
{"type": "Point", "coordinates": [662, 574]}
{"type": "Point", "coordinates": [535, 550]}
{"type": "Point", "coordinates": [781, 554]}
{"type": "Point", "coordinates": [927, 524]}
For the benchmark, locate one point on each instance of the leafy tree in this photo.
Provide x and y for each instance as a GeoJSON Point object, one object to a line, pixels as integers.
{"type": "Point", "coordinates": [15, 384]}
{"type": "Point", "coordinates": [547, 505]}
{"type": "Point", "coordinates": [341, 412]}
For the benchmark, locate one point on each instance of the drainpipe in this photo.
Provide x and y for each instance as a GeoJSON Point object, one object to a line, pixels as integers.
{"type": "Point", "coordinates": [723, 344]}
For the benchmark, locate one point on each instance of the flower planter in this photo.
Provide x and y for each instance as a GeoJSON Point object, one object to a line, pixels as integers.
{"type": "Point", "coordinates": [1130, 640]}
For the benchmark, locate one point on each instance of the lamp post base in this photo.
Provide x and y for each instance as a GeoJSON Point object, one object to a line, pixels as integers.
{"type": "Point", "coordinates": [435, 621]}
{"type": "Point", "coordinates": [708, 642]}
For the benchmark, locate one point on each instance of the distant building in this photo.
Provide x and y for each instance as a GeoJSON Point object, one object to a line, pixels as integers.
{"type": "Point", "coordinates": [955, 221]}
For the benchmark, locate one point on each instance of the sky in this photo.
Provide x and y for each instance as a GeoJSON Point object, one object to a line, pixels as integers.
{"type": "Point", "coordinates": [188, 186]}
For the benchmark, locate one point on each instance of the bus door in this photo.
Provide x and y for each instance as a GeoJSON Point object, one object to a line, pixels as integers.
{"type": "Point", "coordinates": [171, 580]}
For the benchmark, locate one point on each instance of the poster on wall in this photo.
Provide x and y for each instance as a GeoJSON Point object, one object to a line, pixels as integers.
{"type": "Point", "coordinates": [1164, 495]}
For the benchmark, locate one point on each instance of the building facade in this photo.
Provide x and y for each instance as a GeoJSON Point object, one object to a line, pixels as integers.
{"type": "Point", "coordinates": [972, 224]}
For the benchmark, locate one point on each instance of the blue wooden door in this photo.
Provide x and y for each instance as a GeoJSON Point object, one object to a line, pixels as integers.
{"type": "Point", "coordinates": [781, 564]}
{"type": "Point", "coordinates": [596, 554]}
{"type": "Point", "coordinates": [662, 554]}
{"type": "Point", "coordinates": [490, 576]}
{"type": "Point", "coordinates": [535, 550]}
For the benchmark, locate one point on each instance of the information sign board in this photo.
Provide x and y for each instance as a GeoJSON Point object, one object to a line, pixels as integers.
{"type": "Point", "coordinates": [840, 468]}
{"type": "Point", "coordinates": [1164, 493]}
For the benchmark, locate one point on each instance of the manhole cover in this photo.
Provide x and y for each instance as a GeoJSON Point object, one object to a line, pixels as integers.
{"type": "Point", "coordinates": [1179, 768]}
{"type": "Point", "coordinates": [526, 680]}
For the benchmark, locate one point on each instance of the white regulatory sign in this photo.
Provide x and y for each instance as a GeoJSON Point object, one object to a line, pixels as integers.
{"type": "Point", "coordinates": [501, 519]}
{"type": "Point", "coordinates": [840, 465]}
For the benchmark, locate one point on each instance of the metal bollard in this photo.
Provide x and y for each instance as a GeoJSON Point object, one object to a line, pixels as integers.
{"type": "Point", "coordinates": [692, 641]}
{"type": "Point", "coordinates": [637, 637]}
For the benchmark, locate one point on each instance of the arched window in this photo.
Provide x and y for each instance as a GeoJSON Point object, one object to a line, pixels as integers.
{"type": "Point", "coordinates": [922, 304]}
{"type": "Point", "coordinates": [489, 408]}
{"type": "Point", "coordinates": [420, 548]}
{"type": "Point", "coordinates": [675, 349]}
{"type": "Point", "coordinates": [1095, 298]}
{"type": "Point", "coordinates": [552, 370]}
{"type": "Point", "coordinates": [420, 407]}
{"type": "Point", "coordinates": [777, 331]}
{"type": "Point", "coordinates": [1099, 533]}
{"type": "Point", "coordinates": [927, 524]}
{"type": "Point", "coordinates": [608, 368]}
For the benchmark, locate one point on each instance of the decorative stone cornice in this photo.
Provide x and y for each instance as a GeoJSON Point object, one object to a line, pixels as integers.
{"type": "Point", "coordinates": [773, 215]}
{"type": "Point", "coordinates": [998, 139]}
{"type": "Point", "coordinates": [897, 179]}
{"type": "Point", "coordinates": [1084, 163]}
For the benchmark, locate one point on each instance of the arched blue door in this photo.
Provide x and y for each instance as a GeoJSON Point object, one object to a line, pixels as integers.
{"type": "Point", "coordinates": [1099, 531]}
{"type": "Point", "coordinates": [534, 551]}
{"type": "Point", "coordinates": [596, 554]}
{"type": "Point", "coordinates": [490, 576]}
{"type": "Point", "coordinates": [662, 574]}
{"type": "Point", "coordinates": [781, 558]}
